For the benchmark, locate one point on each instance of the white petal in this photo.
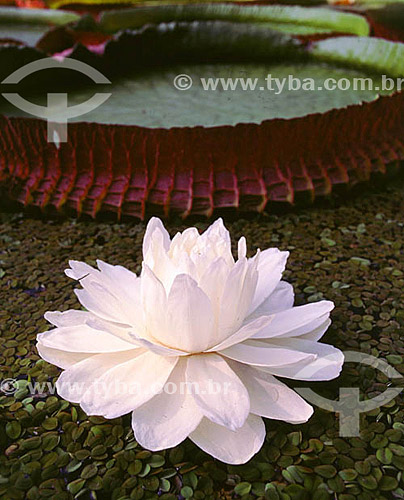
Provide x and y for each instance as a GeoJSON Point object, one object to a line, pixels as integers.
{"type": "Point", "coordinates": [190, 321]}
{"type": "Point", "coordinates": [157, 348]}
{"type": "Point", "coordinates": [113, 293]}
{"type": "Point", "coordinates": [326, 366]}
{"type": "Point", "coordinates": [168, 418]}
{"type": "Point", "coordinates": [220, 394]}
{"type": "Point", "coordinates": [271, 265]}
{"type": "Point", "coordinates": [214, 242]}
{"type": "Point", "coordinates": [154, 300]}
{"type": "Point", "coordinates": [297, 319]}
{"type": "Point", "coordinates": [71, 317]}
{"type": "Point", "coordinates": [242, 248]}
{"type": "Point", "coordinates": [217, 234]}
{"type": "Point", "coordinates": [62, 359]}
{"type": "Point", "coordinates": [212, 282]}
{"type": "Point", "coordinates": [115, 329]}
{"type": "Point", "coordinates": [126, 287]}
{"type": "Point", "coordinates": [311, 331]}
{"type": "Point", "coordinates": [97, 299]}
{"type": "Point", "coordinates": [237, 295]}
{"type": "Point", "coordinates": [218, 229]}
{"type": "Point", "coordinates": [271, 398]}
{"type": "Point", "coordinates": [159, 261]}
{"type": "Point", "coordinates": [155, 224]}
{"type": "Point", "coordinates": [247, 331]}
{"type": "Point", "coordinates": [317, 329]}
{"type": "Point", "coordinates": [260, 353]}
{"type": "Point", "coordinates": [281, 298]}
{"type": "Point", "coordinates": [127, 386]}
{"type": "Point", "coordinates": [79, 270]}
{"type": "Point", "coordinates": [83, 338]}
{"type": "Point", "coordinates": [183, 242]}
{"type": "Point", "coordinates": [73, 383]}
{"type": "Point", "coordinates": [231, 447]}
{"type": "Point", "coordinates": [181, 263]}
{"type": "Point", "coordinates": [126, 279]}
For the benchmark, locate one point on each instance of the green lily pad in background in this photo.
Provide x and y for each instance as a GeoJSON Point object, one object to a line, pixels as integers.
{"type": "Point", "coordinates": [29, 25]}
{"type": "Point", "coordinates": [170, 131]}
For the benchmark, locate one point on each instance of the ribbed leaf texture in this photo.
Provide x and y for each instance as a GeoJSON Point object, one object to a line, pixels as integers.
{"type": "Point", "coordinates": [139, 171]}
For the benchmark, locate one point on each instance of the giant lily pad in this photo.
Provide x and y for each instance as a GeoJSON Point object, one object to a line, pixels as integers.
{"type": "Point", "coordinates": [155, 149]}
{"type": "Point", "coordinates": [29, 25]}
{"type": "Point", "coordinates": [290, 19]}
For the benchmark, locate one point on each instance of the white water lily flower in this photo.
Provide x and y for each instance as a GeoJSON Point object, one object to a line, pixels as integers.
{"type": "Point", "coordinates": [191, 346]}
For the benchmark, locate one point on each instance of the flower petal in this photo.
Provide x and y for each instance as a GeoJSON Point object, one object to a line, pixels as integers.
{"type": "Point", "coordinates": [271, 398]}
{"type": "Point", "coordinates": [183, 242]}
{"type": "Point", "coordinates": [271, 265]}
{"type": "Point", "coordinates": [157, 348]}
{"type": "Point", "coordinates": [260, 353]}
{"type": "Point", "coordinates": [168, 418]}
{"type": "Point", "coordinates": [113, 293]}
{"type": "Point", "coordinates": [220, 394]}
{"type": "Point", "coordinates": [154, 300]}
{"type": "Point", "coordinates": [127, 280]}
{"type": "Point", "coordinates": [71, 317]}
{"type": "Point", "coordinates": [126, 286]}
{"type": "Point", "coordinates": [115, 329]}
{"type": "Point", "coordinates": [190, 321]}
{"type": "Point", "coordinates": [73, 383]}
{"type": "Point", "coordinates": [62, 359]}
{"type": "Point", "coordinates": [237, 295]}
{"type": "Point", "coordinates": [79, 270]}
{"type": "Point", "coordinates": [128, 385]}
{"type": "Point", "coordinates": [247, 331]}
{"type": "Point", "coordinates": [317, 329]}
{"type": "Point", "coordinates": [155, 224]}
{"type": "Point", "coordinates": [217, 237]}
{"type": "Point", "coordinates": [213, 281]}
{"type": "Point", "coordinates": [159, 261]}
{"type": "Point", "coordinates": [297, 320]}
{"type": "Point", "coordinates": [326, 366]}
{"type": "Point", "coordinates": [231, 447]}
{"type": "Point", "coordinates": [280, 299]}
{"type": "Point", "coordinates": [97, 299]}
{"type": "Point", "coordinates": [82, 338]}
{"type": "Point", "coordinates": [242, 248]}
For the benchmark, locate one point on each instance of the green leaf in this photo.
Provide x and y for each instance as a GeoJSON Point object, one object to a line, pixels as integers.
{"type": "Point", "coordinates": [242, 488]}
{"type": "Point", "coordinates": [156, 461]}
{"type": "Point", "coordinates": [29, 25]}
{"type": "Point", "coordinates": [187, 492]}
{"type": "Point", "coordinates": [388, 483]}
{"type": "Point", "coordinates": [13, 429]}
{"type": "Point", "coordinates": [384, 455]}
{"type": "Point", "coordinates": [165, 485]}
{"type": "Point", "coordinates": [89, 471]}
{"type": "Point", "coordinates": [75, 486]}
{"type": "Point", "coordinates": [327, 471]}
{"type": "Point", "coordinates": [293, 19]}
{"type": "Point", "coordinates": [151, 100]}
{"type": "Point", "coordinates": [397, 449]}
{"type": "Point", "coordinates": [368, 482]}
{"type": "Point", "coordinates": [371, 54]}
{"type": "Point", "coordinates": [348, 474]}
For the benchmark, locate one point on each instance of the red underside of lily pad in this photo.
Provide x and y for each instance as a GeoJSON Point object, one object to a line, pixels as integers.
{"type": "Point", "coordinates": [136, 171]}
